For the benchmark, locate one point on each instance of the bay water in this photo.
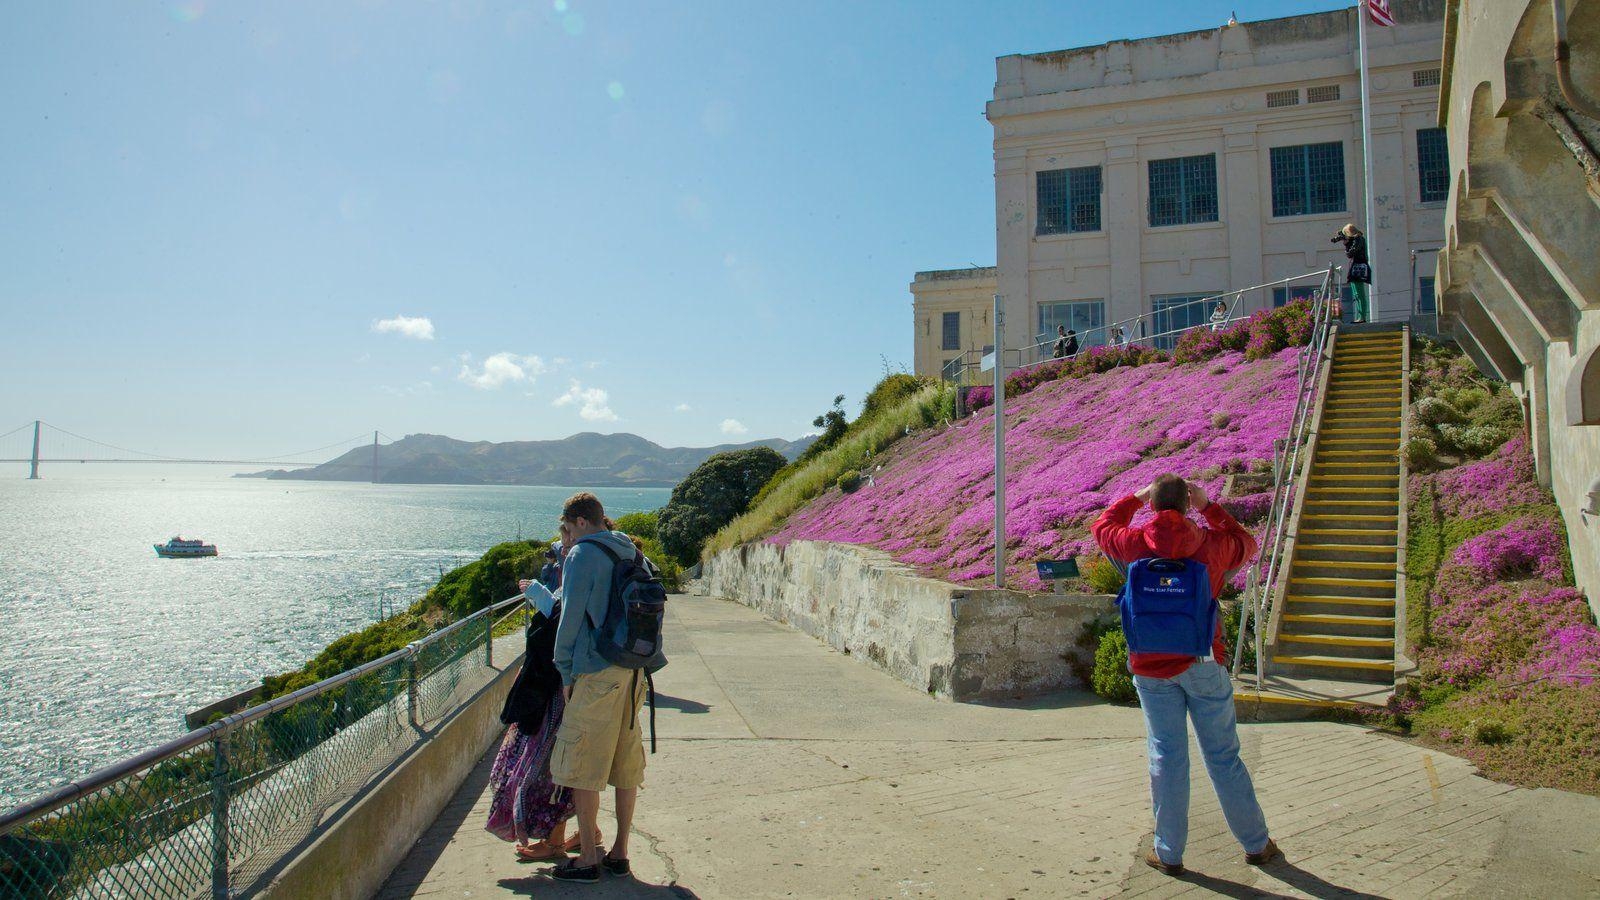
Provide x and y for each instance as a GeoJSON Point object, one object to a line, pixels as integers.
{"type": "Point", "coordinates": [104, 646]}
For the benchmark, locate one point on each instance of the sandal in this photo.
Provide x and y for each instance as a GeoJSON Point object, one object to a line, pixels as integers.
{"type": "Point", "coordinates": [542, 851]}
{"type": "Point", "coordinates": [574, 844]}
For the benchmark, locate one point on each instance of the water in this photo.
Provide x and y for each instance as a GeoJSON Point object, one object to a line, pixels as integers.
{"type": "Point", "coordinates": [104, 646]}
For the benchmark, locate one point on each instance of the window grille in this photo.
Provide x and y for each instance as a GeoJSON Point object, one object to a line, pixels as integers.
{"type": "Point", "coordinates": [1308, 179]}
{"type": "Point", "coordinates": [952, 331]}
{"type": "Point", "coordinates": [1068, 200]}
{"type": "Point", "coordinates": [1322, 93]}
{"type": "Point", "coordinates": [1283, 98]}
{"type": "Point", "coordinates": [1183, 190]}
{"type": "Point", "coordinates": [1086, 317]}
{"type": "Point", "coordinates": [1281, 296]}
{"type": "Point", "coordinates": [1426, 302]}
{"type": "Point", "coordinates": [1173, 313]}
{"type": "Point", "coordinates": [1424, 77]}
{"type": "Point", "coordinates": [1433, 164]}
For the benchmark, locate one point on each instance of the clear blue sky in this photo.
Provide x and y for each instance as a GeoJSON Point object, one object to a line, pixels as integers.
{"type": "Point", "coordinates": [694, 211]}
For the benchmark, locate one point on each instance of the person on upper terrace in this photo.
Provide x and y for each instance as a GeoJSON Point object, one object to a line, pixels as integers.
{"type": "Point", "coordinates": [1066, 345]}
{"type": "Point", "coordinates": [1359, 277]}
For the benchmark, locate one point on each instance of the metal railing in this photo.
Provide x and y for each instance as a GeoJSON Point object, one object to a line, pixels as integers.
{"type": "Point", "coordinates": [965, 366]}
{"type": "Point", "coordinates": [219, 806]}
{"type": "Point", "coordinates": [1261, 578]}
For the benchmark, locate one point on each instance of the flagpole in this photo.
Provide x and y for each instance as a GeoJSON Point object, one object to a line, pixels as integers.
{"type": "Point", "coordinates": [1366, 123]}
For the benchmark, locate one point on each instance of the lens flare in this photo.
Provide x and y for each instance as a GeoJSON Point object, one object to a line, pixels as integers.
{"type": "Point", "coordinates": [573, 23]}
{"type": "Point", "coordinates": [614, 90]}
{"type": "Point", "coordinates": [561, 6]}
{"type": "Point", "coordinates": [188, 10]}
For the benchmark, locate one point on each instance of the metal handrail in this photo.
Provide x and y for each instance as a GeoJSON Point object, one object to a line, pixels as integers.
{"type": "Point", "coordinates": [1262, 576]}
{"type": "Point", "coordinates": [104, 777]}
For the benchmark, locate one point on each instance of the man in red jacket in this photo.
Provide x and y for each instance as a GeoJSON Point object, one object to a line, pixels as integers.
{"type": "Point", "coordinates": [1174, 688]}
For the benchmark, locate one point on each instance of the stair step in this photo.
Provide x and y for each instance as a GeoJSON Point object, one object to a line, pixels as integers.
{"type": "Point", "coordinates": [1333, 480]}
{"type": "Point", "coordinates": [1318, 581]}
{"type": "Point", "coordinates": [1384, 455]}
{"type": "Point", "coordinates": [1326, 600]}
{"type": "Point", "coordinates": [1338, 662]}
{"type": "Point", "coordinates": [1348, 517]}
{"type": "Point", "coordinates": [1338, 619]}
{"type": "Point", "coordinates": [1334, 494]}
{"type": "Point", "coordinates": [1350, 532]}
{"type": "Point", "coordinates": [1337, 430]}
{"type": "Point", "coordinates": [1339, 640]}
{"type": "Point", "coordinates": [1373, 549]}
{"type": "Point", "coordinates": [1363, 365]}
{"type": "Point", "coordinates": [1350, 418]}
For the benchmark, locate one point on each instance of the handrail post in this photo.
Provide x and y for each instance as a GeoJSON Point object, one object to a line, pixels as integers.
{"type": "Point", "coordinates": [488, 641]}
{"type": "Point", "coordinates": [219, 816]}
{"type": "Point", "coordinates": [411, 685]}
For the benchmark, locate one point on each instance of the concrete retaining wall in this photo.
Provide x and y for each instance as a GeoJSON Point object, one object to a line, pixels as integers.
{"type": "Point", "coordinates": [950, 641]}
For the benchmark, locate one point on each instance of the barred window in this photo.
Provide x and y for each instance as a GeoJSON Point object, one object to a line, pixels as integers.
{"type": "Point", "coordinates": [1433, 164]}
{"type": "Point", "coordinates": [1183, 190]}
{"type": "Point", "coordinates": [1174, 314]}
{"type": "Point", "coordinates": [1283, 98]}
{"type": "Point", "coordinates": [1308, 179]}
{"type": "Point", "coordinates": [1068, 200]}
{"type": "Point", "coordinates": [1424, 77]}
{"type": "Point", "coordinates": [952, 331]}
{"type": "Point", "coordinates": [1322, 93]}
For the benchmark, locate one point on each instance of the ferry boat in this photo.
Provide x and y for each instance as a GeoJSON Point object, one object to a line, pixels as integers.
{"type": "Point", "coordinates": [179, 548]}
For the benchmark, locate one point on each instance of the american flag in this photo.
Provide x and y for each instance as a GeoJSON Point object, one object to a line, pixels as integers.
{"type": "Point", "coordinates": [1379, 10]}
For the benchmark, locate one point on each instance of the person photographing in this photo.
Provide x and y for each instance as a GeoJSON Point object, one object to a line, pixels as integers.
{"type": "Point", "coordinates": [1359, 276]}
{"type": "Point", "coordinates": [1173, 625]}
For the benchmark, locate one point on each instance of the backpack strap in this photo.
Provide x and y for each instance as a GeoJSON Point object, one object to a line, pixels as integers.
{"type": "Point", "coordinates": [615, 559]}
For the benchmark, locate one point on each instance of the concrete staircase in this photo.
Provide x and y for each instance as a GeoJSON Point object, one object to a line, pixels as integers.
{"type": "Point", "coordinates": [1338, 619]}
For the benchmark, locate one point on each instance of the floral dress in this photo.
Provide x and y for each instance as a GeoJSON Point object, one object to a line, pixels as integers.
{"type": "Point", "coordinates": [526, 804]}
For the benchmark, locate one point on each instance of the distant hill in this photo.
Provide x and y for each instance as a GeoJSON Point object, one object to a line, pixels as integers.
{"type": "Point", "coordinates": [587, 459]}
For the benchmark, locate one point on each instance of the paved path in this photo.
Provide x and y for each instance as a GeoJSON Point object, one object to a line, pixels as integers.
{"type": "Point", "coordinates": [789, 770]}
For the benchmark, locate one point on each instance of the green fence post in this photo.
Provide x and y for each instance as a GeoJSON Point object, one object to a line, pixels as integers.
{"type": "Point", "coordinates": [219, 817]}
{"type": "Point", "coordinates": [411, 685]}
{"type": "Point", "coordinates": [488, 640]}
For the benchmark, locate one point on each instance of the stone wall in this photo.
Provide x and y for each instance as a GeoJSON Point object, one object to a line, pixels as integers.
{"type": "Point", "coordinates": [948, 640]}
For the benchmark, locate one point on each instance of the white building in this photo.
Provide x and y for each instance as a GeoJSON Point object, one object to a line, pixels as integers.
{"type": "Point", "coordinates": [1134, 177]}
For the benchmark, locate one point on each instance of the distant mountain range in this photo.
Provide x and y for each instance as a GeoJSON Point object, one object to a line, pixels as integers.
{"type": "Point", "coordinates": [588, 459]}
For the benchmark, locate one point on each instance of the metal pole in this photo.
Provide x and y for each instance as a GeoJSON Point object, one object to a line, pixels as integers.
{"type": "Point", "coordinates": [1366, 137]}
{"type": "Point", "coordinates": [219, 817]}
{"type": "Point", "coordinates": [999, 445]}
{"type": "Point", "coordinates": [33, 470]}
{"type": "Point", "coordinates": [411, 685]}
{"type": "Point", "coordinates": [488, 640]}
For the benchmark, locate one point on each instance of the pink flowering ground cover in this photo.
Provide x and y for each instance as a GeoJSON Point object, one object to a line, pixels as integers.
{"type": "Point", "coordinates": [1074, 445]}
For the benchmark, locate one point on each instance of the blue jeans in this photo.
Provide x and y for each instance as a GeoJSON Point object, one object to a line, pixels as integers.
{"type": "Point", "coordinates": [1204, 693]}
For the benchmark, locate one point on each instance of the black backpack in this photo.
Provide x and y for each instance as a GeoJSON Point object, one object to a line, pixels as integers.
{"type": "Point", "coordinates": [631, 636]}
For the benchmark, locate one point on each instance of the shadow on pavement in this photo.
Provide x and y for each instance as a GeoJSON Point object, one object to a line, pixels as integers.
{"type": "Point", "coordinates": [1068, 699]}
{"type": "Point", "coordinates": [1286, 872]}
{"type": "Point", "coordinates": [535, 886]}
{"type": "Point", "coordinates": [693, 707]}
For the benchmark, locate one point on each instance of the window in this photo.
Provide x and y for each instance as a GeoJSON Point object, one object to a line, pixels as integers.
{"type": "Point", "coordinates": [1433, 164]}
{"type": "Point", "coordinates": [1426, 304]}
{"type": "Point", "coordinates": [1179, 312]}
{"type": "Point", "coordinates": [951, 332]}
{"type": "Point", "coordinates": [1308, 179]}
{"type": "Point", "coordinates": [1069, 200]}
{"type": "Point", "coordinates": [1283, 98]}
{"type": "Point", "coordinates": [1183, 190]}
{"type": "Point", "coordinates": [1086, 317]}
{"type": "Point", "coordinates": [1322, 93]}
{"type": "Point", "coordinates": [1424, 77]}
{"type": "Point", "coordinates": [1280, 296]}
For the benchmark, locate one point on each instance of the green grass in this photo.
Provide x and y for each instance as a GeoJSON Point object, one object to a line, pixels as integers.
{"type": "Point", "coordinates": [867, 436]}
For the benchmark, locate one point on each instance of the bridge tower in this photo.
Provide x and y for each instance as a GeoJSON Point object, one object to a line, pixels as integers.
{"type": "Point", "coordinates": [33, 467]}
{"type": "Point", "coordinates": [374, 457]}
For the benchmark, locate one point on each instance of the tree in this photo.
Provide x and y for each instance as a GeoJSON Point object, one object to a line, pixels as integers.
{"type": "Point", "coordinates": [712, 496]}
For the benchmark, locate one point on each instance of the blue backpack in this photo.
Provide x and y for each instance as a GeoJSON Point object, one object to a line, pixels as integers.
{"type": "Point", "coordinates": [1167, 607]}
{"type": "Point", "coordinates": [630, 636]}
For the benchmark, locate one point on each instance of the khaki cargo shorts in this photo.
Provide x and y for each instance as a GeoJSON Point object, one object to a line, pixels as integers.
{"type": "Point", "coordinates": [595, 744]}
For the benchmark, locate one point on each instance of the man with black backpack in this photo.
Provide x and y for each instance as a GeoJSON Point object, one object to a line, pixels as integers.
{"type": "Point", "coordinates": [1176, 653]}
{"type": "Point", "coordinates": [607, 644]}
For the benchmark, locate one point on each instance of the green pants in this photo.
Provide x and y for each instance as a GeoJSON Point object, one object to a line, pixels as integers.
{"type": "Point", "coordinates": [1359, 293]}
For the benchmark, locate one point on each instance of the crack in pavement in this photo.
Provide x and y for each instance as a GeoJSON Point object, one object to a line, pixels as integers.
{"type": "Point", "coordinates": [656, 851]}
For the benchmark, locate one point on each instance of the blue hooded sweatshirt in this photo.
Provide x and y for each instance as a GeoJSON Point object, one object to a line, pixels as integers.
{"type": "Point", "coordinates": [585, 594]}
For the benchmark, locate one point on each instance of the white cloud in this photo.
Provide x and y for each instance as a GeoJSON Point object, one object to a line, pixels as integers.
{"type": "Point", "coordinates": [415, 327]}
{"type": "Point", "coordinates": [683, 407]}
{"type": "Point", "coordinates": [733, 426]}
{"type": "Point", "coordinates": [593, 403]}
{"type": "Point", "coordinates": [502, 369]}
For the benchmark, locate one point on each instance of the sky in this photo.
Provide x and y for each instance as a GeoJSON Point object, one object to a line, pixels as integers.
{"type": "Point", "coordinates": [250, 229]}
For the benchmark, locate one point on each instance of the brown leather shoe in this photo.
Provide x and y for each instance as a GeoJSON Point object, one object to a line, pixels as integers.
{"type": "Point", "coordinates": [1268, 853]}
{"type": "Point", "coordinates": [1154, 862]}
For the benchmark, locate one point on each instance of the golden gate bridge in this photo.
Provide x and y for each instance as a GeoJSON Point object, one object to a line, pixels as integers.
{"type": "Point", "coordinates": [39, 442]}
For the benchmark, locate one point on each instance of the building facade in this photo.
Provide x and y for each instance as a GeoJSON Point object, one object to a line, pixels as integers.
{"type": "Point", "coordinates": [953, 311]}
{"type": "Point", "coordinates": [1136, 177]}
{"type": "Point", "coordinates": [1520, 275]}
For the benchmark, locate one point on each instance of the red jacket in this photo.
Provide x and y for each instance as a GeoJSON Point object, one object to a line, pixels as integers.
{"type": "Point", "coordinates": [1171, 535]}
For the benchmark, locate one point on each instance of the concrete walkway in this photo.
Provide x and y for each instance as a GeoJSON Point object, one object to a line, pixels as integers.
{"type": "Point", "coordinates": [789, 770]}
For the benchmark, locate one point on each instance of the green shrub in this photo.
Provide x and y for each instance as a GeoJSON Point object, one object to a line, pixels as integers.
{"type": "Point", "coordinates": [1103, 576]}
{"type": "Point", "coordinates": [1111, 679]}
{"type": "Point", "coordinates": [640, 524]}
{"type": "Point", "coordinates": [892, 391]}
{"type": "Point", "coordinates": [1420, 455]}
{"type": "Point", "coordinates": [1475, 441]}
{"type": "Point", "coordinates": [1435, 411]}
{"type": "Point", "coordinates": [671, 569]}
{"type": "Point", "coordinates": [849, 481]}
{"type": "Point", "coordinates": [712, 496]}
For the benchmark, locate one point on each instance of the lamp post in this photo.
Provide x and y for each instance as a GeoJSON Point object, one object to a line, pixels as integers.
{"type": "Point", "coordinates": [999, 445]}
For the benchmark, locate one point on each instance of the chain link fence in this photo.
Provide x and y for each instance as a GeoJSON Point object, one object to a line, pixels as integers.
{"type": "Point", "coordinates": [217, 808]}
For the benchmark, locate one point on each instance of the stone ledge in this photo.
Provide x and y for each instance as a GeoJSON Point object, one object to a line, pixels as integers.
{"type": "Point", "coordinates": [951, 641]}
